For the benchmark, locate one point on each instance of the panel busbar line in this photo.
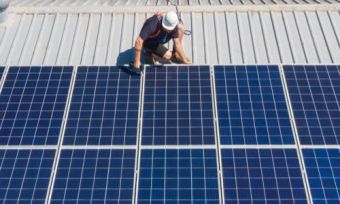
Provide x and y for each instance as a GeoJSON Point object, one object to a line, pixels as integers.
{"type": "Point", "coordinates": [2, 70]}
{"type": "Point", "coordinates": [60, 141]}
{"type": "Point", "coordinates": [323, 172]}
{"type": "Point", "coordinates": [104, 107]}
{"type": "Point", "coordinates": [217, 137]}
{"type": "Point", "coordinates": [94, 176]}
{"type": "Point", "coordinates": [262, 176]}
{"type": "Point", "coordinates": [24, 175]}
{"type": "Point", "coordinates": [139, 137]}
{"type": "Point", "coordinates": [178, 176]}
{"type": "Point", "coordinates": [297, 141]}
{"type": "Point", "coordinates": [251, 106]}
{"type": "Point", "coordinates": [315, 96]}
{"type": "Point", "coordinates": [33, 101]}
{"type": "Point", "coordinates": [178, 106]}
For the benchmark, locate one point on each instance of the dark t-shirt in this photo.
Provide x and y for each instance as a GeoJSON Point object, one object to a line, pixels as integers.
{"type": "Point", "coordinates": [152, 26]}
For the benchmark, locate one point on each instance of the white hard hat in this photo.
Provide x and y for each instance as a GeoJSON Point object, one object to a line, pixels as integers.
{"type": "Point", "coordinates": [170, 20]}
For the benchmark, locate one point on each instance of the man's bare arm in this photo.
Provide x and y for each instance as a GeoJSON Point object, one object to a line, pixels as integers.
{"type": "Point", "coordinates": [180, 51]}
{"type": "Point", "coordinates": [138, 50]}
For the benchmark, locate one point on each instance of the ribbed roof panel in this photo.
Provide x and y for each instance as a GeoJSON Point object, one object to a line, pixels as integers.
{"type": "Point", "coordinates": [78, 3]}
{"type": "Point", "coordinates": [220, 37]}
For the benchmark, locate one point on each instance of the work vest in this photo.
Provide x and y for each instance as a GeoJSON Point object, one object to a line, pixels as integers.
{"type": "Point", "coordinates": [159, 16]}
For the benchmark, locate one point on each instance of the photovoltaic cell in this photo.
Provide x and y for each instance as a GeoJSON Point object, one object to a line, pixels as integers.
{"type": "Point", "coordinates": [104, 107]}
{"type": "Point", "coordinates": [315, 96]}
{"type": "Point", "coordinates": [24, 175]}
{"type": "Point", "coordinates": [33, 102]}
{"type": "Point", "coordinates": [251, 105]}
{"type": "Point", "coordinates": [178, 176]}
{"type": "Point", "coordinates": [262, 176]}
{"type": "Point", "coordinates": [177, 106]}
{"type": "Point", "coordinates": [94, 176]}
{"type": "Point", "coordinates": [323, 172]}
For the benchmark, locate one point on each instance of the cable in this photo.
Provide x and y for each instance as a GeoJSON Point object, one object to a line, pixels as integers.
{"type": "Point", "coordinates": [186, 32]}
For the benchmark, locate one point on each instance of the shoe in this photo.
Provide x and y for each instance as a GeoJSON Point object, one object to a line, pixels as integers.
{"type": "Point", "coordinates": [175, 58]}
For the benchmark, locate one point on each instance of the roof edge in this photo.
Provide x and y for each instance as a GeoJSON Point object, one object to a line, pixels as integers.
{"type": "Point", "coordinates": [138, 9]}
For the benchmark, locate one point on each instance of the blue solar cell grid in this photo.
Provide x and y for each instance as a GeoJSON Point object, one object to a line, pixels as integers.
{"type": "Point", "coordinates": [32, 105]}
{"type": "Point", "coordinates": [177, 110]}
{"type": "Point", "coordinates": [315, 96]}
{"type": "Point", "coordinates": [262, 176]}
{"type": "Point", "coordinates": [323, 172]}
{"type": "Point", "coordinates": [95, 176]}
{"type": "Point", "coordinates": [178, 176]}
{"type": "Point", "coordinates": [25, 175]}
{"type": "Point", "coordinates": [177, 106]}
{"type": "Point", "coordinates": [251, 105]}
{"type": "Point", "coordinates": [104, 107]}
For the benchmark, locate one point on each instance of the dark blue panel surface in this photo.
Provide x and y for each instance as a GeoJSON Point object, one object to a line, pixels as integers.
{"type": "Point", "coordinates": [104, 107]}
{"type": "Point", "coordinates": [178, 176]}
{"type": "Point", "coordinates": [251, 105]}
{"type": "Point", "coordinates": [177, 106]}
{"type": "Point", "coordinates": [94, 176]}
{"type": "Point", "coordinates": [32, 105]}
{"type": "Point", "coordinates": [315, 96]}
{"type": "Point", "coordinates": [262, 176]}
{"type": "Point", "coordinates": [323, 172]}
{"type": "Point", "coordinates": [25, 175]}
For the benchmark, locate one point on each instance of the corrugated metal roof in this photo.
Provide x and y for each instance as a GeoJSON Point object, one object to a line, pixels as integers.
{"type": "Point", "coordinates": [218, 37]}
{"type": "Point", "coordinates": [161, 2]}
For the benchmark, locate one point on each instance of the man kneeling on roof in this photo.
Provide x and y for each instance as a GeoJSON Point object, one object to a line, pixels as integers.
{"type": "Point", "coordinates": [156, 31]}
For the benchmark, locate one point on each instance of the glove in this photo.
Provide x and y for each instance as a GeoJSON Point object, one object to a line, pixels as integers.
{"type": "Point", "coordinates": [135, 70]}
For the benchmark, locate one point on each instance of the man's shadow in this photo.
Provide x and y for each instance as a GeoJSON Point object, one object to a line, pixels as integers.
{"type": "Point", "coordinates": [127, 56]}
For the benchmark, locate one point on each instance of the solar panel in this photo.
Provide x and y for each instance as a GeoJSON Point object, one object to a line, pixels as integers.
{"type": "Point", "coordinates": [33, 102]}
{"type": "Point", "coordinates": [24, 175]}
{"type": "Point", "coordinates": [104, 107]}
{"type": "Point", "coordinates": [323, 171]}
{"type": "Point", "coordinates": [177, 106]}
{"type": "Point", "coordinates": [178, 176]}
{"type": "Point", "coordinates": [94, 176]}
{"type": "Point", "coordinates": [251, 105]}
{"type": "Point", "coordinates": [262, 176]}
{"type": "Point", "coordinates": [315, 96]}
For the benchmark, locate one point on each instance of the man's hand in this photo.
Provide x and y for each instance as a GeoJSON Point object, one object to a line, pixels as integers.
{"type": "Point", "coordinates": [138, 50]}
{"type": "Point", "coordinates": [137, 64]}
{"type": "Point", "coordinates": [180, 51]}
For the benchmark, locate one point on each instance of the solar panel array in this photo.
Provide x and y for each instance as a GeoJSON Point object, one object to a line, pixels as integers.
{"type": "Point", "coordinates": [178, 176]}
{"type": "Point", "coordinates": [33, 103]}
{"type": "Point", "coordinates": [262, 175]}
{"type": "Point", "coordinates": [104, 108]}
{"type": "Point", "coordinates": [251, 105]}
{"type": "Point", "coordinates": [95, 175]}
{"type": "Point", "coordinates": [24, 175]}
{"type": "Point", "coordinates": [178, 106]}
{"type": "Point", "coordinates": [176, 134]}
{"type": "Point", "coordinates": [315, 97]}
{"type": "Point", "coordinates": [323, 167]}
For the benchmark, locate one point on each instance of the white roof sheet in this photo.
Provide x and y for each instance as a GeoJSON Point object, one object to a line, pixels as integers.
{"type": "Point", "coordinates": [161, 2]}
{"type": "Point", "coordinates": [237, 35]}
